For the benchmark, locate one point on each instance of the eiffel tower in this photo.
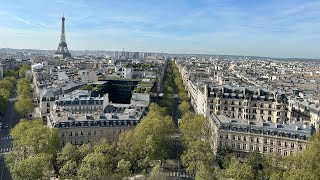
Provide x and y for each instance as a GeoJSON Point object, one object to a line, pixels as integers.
{"type": "Point", "coordinates": [62, 50]}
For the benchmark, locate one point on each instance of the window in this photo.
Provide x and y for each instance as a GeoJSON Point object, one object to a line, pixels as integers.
{"type": "Point", "coordinates": [244, 138]}
{"type": "Point", "coordinates": [265, 141]}
{"type": "Point", "coordinates": [252, 148]}
{"type": "Point", "coordinates": [271, 150]}
{"type": "Point", "coordinates": [265, 149]}
{"type": "Point", "coordinates": [279, 151]}
{"type": "Point", "coordinates": [271, 141]}
{"type": "Point", "coordinates": [239, 146]}
{"type": "Point", "coordinates": [300, 147]}
{"type": "Point", "coordinates": [76, 133]}
{"type": "Point", "coordinates": [269, 113]}
{"type": "Point", "coordinates": [221, 136]}
{"type": "Point", "coordinates": [258, 140]}
{"type": "Point", "coordinates": [62, 134]}
{"type": "Point", "coordinates": [81, 132]}
{"type": "Point", "coordinates": [285, 153]}
{"type": "Point", "coordinates": [239, 138]}
{"type": "Point", "coordinates": [279, 143]}
{"type": "Point", "coordinates": [70, 134]}
{"type": "Point", "coordinates": [278, 113]}
{"type": "Point", "coordinates": [261, 111]}
{"type": "Point", "coordinates": [251, 139]}
{"type": "Point", "coordinates": [269, 118]}
{"type": "Point", "coordinates": [244, 146]}
{"type": "Point", "coordinates": [89, 133]}
{"type": "Point", "coordinates": [285, 144]}
{"type": "Point", "coordinates": [292, 145]}
{"type": "Point", "coordinates": [233, 137]}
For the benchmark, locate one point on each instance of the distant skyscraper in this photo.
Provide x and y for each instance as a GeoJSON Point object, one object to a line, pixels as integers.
{"type": "Point", "coordinates": [62, 50]}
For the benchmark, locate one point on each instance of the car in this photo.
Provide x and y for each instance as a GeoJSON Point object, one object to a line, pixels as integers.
{"type": "Point", "coordinates": [6, 126]}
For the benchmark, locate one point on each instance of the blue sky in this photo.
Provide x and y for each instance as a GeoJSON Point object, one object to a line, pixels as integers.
{"type": "Point", "coordinates": [277, 28]}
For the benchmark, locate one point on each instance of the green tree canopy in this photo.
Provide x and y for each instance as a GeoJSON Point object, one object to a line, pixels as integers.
{"type": "Point", "coordinates": [94, 166]}
{"type": "Point", "coordinates": [22, 70]}
{"type": "Point", "coordinates": [153, 134]}
{"type": "Point", "coordinates": [193, 127]}
{"type": "Point", "coordinates": [184, 107]}
{"type": "Point", "coordinates": [34, 150]}
{"type": "Point", "coordinates": [24, 106]}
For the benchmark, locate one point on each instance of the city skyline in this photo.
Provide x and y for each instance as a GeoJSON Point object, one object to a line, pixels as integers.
{"type": "Point", "coordinates": [269, 28]}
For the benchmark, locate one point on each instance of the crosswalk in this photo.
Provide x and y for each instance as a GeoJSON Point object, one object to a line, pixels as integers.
{"type": "Point", "coordinates": [6, 149]}
{"type": "Point", "coordinates": [5, 138]}
{"type": "Point", "coordinates": [179, 174]}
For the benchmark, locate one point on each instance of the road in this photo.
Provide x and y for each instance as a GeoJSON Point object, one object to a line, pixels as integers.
{"type": "Point", "coordinates": [10, 118]}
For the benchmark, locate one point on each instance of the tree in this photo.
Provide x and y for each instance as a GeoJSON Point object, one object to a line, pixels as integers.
{"type": "Point", "coordinates": [24, 106]}
{"type": "Point", "coordinates": [34, 167]}
{"type": "Point", "coordinates": [6, 84]}
{"type": "Point", "coordinates": [10, 73]}
{"type": "Point", "coordinates": [193, 128]}
{"type": "Point", "coordinates": [94, 166]}
{"type": "Point", "coordinates": [69, 169]}
{"type": "Point", "coordinates": [23, 69]}
{"type": "Point", "coordinates": [224, 154]}
{"type": "Point", "coordinates": [32, 137]}
{"type": "Point", "coordinates": [68, 153]}
{"type": "Point", "coordinates": [123, 168]}
{"type": "Point", "coordinates": [205, 173]}
{"type": "Point", "coordinates": [23, 88]}
{"type": "Point", "coordinates": [34, 150]}
{"type": "Point", "coordinates": [238, 171]}
{"type": "Point", "coordinates": [196, 155]}
{"type": "Point", "coordinates": [127, 150]}
{"type": "Point", "coordinates": [300, 174]}
{"type": "Point", "coordinates": [184, 107]}
{"type": "Point", "coordinates": [156, 173]}
{"type": "Point", "coordinates": [108, 150]}
{"type": "Point", "coordinates": [4, 93]}
{"type": "Point", "coordinates": [153, 134]}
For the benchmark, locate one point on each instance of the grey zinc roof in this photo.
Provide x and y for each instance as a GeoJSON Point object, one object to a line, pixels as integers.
{"type": "Point", "coordinates": [50, 92]}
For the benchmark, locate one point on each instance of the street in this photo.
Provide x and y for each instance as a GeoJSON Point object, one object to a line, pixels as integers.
{"type": "Point", "coordinates": [10, 119]}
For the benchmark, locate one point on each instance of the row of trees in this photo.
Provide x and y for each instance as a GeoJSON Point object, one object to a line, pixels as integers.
{"type": "Point", "coordinates": [166, 101]}
{"type": "Point", "coordinates": [24, 104]}
{"type": "Point", "coordinates": [6, 87]}
{"type": "Point", "coordinates": [183, 95]}
{"type": "Point", "coordinates": [22, 70]}
{"type": "Point", "coordinates": [35, 153]}
{"type": "Point", "coordinates": [197, 156]}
